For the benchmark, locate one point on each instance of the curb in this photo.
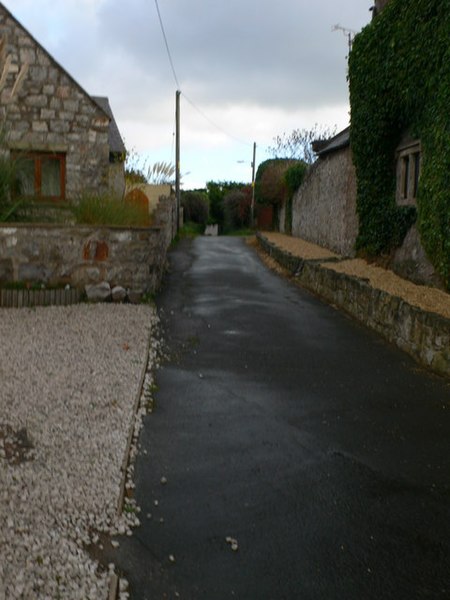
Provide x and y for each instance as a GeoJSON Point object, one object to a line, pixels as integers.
{"type": "Point", "coordinates": [126, 458]}
{"type": "Point", "coordinates": [114, 582]}
{"type": "Point", "coordinates": [113, 592]}
{"type": "Point", "coordinates": [423, 335]}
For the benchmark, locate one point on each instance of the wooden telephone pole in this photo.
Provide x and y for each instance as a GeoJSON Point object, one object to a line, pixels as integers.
{"type": "Point", "coordinates": [252, 209]}
{"type": "Point", "coordinates": [177, 159]}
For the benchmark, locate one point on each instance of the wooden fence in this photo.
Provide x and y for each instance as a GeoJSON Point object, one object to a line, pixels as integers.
{"type": "Point", "coordinates": [24, 298]}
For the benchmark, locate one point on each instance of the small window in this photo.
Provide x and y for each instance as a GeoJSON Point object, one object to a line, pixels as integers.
{"type": "Point", "coordinates": [41, 176]}
{"type": "Point", "coordinates": [416, 160]}
{"type": "Point", "coordinates": [405, 176]}
{"type": "Point", "coordinates": [408, 172]}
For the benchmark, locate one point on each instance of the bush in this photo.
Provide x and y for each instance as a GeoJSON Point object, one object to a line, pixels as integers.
{"type": "Point", "coordinates": [237, 209]}
{"type": "Point", "coordinates": [294, 176]}
{"type": "Point", "coordinates": [270, 185]}
{"type": "Point", "coordinates": [190, 230]}
{"type": "Point", "coordinates": [216, 194]}
{"type": "Point", "coordinates": [195, 206]}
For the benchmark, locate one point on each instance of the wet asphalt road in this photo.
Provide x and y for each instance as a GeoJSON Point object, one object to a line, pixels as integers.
{"type": "Point", "coordinates": [283, 424]}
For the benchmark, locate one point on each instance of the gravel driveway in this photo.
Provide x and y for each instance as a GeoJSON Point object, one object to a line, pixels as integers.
{"type": "Point", "coordinates": [70, 378]}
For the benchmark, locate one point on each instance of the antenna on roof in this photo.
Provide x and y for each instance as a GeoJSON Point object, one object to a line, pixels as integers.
{"type": "Point", "coordinates": [349, 33]}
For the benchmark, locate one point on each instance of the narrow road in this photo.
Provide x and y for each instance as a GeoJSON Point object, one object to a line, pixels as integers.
{"type": "Point", "coordinates": [287, 427]}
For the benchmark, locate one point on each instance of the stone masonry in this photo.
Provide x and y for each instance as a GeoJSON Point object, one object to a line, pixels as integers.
{"type": "Point", "coordinates": [45, 110]}
{"type": "Point", "coordinates": [82, 255]}
{"type": "Point", "coordinates": [79, 256]}
{"type": "Point", "coordinates": [423, 335]}
{"type": "Point", "coordinates": [324, 207]}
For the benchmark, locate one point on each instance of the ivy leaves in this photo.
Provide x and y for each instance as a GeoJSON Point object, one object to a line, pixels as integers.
{"type": "Point", "coordinates": [399, 74]}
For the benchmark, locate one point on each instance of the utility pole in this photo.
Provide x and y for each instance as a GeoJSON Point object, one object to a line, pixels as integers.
{"type": "Point", "coordinates": [177, 159]}
{"type": "Point", "coordinates": [252, 209]}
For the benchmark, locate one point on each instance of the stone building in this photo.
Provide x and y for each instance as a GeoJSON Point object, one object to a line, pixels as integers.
{"type": "Point", "coordinates": [117, 150]}
{"type": "Point", "coordinates": [324, 207]}
{"type": "Point", "coordinates": [378, 7]}
{"type": "Point", "coordinates": [65, 140]}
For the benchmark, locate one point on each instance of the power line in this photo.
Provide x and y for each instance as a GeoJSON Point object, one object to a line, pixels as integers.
{"type": "Point", "coordinates": [211, 122]}
{"type": "Point", "coordinates": [167, 44]}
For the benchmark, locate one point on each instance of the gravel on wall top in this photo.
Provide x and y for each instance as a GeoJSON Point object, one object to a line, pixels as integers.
{"type": "Point", "coordinates": [69, 381]}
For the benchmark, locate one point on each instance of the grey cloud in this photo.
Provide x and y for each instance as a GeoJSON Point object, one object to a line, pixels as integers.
{"type": "Point", "coordinates": [253, 52]}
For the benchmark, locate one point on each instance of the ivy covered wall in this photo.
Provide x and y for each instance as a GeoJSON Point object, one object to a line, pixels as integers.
{"type": "Point", "coordinates": [399, 73]}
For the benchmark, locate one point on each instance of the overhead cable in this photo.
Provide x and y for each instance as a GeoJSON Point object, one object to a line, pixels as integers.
{"type": "Point", "coordinates": [211, 122]}
{"type": "Point", "coordinates": [167, 44]}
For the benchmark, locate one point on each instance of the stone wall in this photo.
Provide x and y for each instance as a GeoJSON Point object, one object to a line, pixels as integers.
{"type": "Point", "coordinates": [79, 256]}
{"type": "Point", "coordinates": [49, 111]}
{"type": "Point", "coordinates": [117, 179]}
{"type": "Point", "coordinates": [423, 335]}
{"type": "Point", "coordinates": [410, 261]}
{"type": "Point", "coordinates": [324, 208]}
{"type": "Point", "coordinates": [165, 216]}
{"type": "Point", "coordinates": [153, 193]}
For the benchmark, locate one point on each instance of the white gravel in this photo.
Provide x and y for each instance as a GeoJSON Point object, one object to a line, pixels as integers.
{"type": "Point", "coordinates": [69, 377]}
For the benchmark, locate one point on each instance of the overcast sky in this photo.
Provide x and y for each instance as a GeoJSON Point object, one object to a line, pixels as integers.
{"type": "Point", "coordinates": [248, 70]}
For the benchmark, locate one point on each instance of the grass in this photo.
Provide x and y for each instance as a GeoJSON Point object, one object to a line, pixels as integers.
{"type": "Point", "coordinates": [189, 231]}
{"type": "Point", "coordinates": [106, 210]}
{"type": "Point", "coordinates": [241, 232]}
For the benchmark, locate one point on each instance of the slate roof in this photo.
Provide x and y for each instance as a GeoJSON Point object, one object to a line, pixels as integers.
{"type": "Point", "coordinates": [116, 145]}
{"type": "Point", "coordinates": [340, 140]}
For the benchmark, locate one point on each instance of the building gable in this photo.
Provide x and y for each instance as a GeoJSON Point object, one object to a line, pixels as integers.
{"type": "Point", "coordinates": [45, 111]}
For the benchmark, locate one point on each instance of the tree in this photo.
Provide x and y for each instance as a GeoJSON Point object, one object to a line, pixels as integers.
{"type": "Point", "coordinates": [276, 181]}
{"type": "Point", "coordinates": [294, 176]}
{"type": "Point", "coordinates": [237, 208]}
{"type": "Point", "coordinates": [298, 143]}
{"type": "Point", "coordinates": [195, 206]}
{"type": "Point", "coordinates": [270, 185]}
{"type": "Point", "coordinates": [216, 193]}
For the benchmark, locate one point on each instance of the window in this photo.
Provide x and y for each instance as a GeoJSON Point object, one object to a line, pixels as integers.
{"type": "Point", "coordinates": [41, 175]}
{"type": "Point", "coordinates": [408, 172]}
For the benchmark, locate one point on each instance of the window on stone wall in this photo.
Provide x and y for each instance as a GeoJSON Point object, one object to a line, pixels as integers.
{"type": "Point", "coordinates": [408, 171]}
{"type": "Point", "coordinates": [41, 175]}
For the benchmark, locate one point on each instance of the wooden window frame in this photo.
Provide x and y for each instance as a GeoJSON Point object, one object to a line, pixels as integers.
{"type": "Point", "coordinates": [38, 158]}
{"type": "Point", "coordinates": [408, 172]}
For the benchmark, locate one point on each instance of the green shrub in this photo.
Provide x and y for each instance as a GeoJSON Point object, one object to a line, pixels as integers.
{"type": "Point", "coordinates": [217, 190]}
{"type": "Point", "coordinates": [195, 207]}
{"type": "Point", "coordinates": [237, 209]}
{"type": "Point", "coordinates": [191, 230]}
{"type": "Point", "coordinates": [294, 176]}
{"type": "Point", "coordinates": [270, 185]}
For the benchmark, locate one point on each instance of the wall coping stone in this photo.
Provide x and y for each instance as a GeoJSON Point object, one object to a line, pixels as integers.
{"type": "Point", "coordinates": [80, 227]}
{"type": "Point", "coordinates": [424, 335]}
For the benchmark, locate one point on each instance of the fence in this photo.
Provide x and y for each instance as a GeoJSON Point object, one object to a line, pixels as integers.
{"type": "Point", "coordinates": [30, 298]}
